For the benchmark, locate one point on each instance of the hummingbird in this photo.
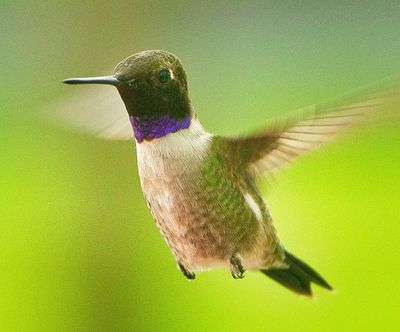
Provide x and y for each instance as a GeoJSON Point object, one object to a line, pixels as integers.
{"type": "Point", "coordinates": [201, 188]}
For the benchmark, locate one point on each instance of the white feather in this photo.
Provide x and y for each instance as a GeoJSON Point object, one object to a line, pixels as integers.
{"type": "Point", "coordinates": [253, 206]}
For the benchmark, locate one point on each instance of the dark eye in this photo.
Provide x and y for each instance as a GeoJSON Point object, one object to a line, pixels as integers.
{"type": "Point", "coordinates": [164, 75]}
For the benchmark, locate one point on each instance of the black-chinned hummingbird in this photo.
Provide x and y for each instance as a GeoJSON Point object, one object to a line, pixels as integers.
{"type": "Point", "coordinates": [201, 188]}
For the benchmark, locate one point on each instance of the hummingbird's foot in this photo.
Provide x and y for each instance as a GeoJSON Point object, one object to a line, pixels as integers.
{"type": "Point", "coordinates": [237, 269]}
{"type": "Point", "coordinates": [186, 273]}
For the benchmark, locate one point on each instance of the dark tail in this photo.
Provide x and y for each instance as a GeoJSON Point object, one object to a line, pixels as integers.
{"type": "Point", "coordinates": [298, 277]}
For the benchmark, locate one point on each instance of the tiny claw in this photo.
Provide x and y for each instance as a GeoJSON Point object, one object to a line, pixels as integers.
{"type": "Point", "coordinates": [237, 276]}
{"type": "Point", "coordinates": [237, 269]}
{"type": "Point", "coordinates": [187, 273]}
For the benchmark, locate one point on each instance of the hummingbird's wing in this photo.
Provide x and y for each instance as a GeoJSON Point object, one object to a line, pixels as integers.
{"type": "Point", "coordinates": [96, 110]}
{"type": "Point", "coordinates": [290, 137]}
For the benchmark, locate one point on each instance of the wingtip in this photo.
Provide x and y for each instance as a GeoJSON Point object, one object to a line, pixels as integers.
{"type": "Point", "coordinates": [328, 287]}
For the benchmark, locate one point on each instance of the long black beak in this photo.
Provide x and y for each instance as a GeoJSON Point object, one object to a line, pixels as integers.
{"type": "Point", "coordinates": [111, 80]}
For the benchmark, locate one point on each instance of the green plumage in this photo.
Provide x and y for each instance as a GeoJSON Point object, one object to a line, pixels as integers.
{"type": "Point", "coordinates": [221, 188]}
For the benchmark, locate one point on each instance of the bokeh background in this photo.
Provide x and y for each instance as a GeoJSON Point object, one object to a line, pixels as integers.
{"type": "Point", "coordinates": [78, 248]}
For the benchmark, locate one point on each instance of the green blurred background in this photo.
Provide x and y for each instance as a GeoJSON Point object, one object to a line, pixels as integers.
{"type": "Point", "coordinates": [78, 248]}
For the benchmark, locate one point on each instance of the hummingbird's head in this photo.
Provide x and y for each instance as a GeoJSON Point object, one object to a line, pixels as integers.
{"type": "Point", "coordinates": [153, 86]}
{"type": "Point", "coordinates": [153, 83]}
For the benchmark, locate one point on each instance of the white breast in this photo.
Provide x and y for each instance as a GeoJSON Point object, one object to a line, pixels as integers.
{"type": "Point", "coordinates": [166, 166]}
{"type": "Point", "coordinates": [161, 156]}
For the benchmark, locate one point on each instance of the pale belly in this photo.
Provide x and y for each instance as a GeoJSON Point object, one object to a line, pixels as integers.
{"type": "Point", "coordinates": [192, 240]}
{"type": "Point", "coordinates": [202, 234]}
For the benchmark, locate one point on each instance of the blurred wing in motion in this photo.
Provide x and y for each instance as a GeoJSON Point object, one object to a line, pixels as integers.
{"type": "Point", "coordinates": [96, 110]}
{"type": "Point", "coordinates": [290, 137]}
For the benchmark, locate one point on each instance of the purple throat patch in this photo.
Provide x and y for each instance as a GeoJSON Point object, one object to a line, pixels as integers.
{"type": "Point", "coordinates": [149, 128]}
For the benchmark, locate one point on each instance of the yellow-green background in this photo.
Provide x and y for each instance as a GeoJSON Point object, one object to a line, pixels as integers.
{"type": "Point", "coordinates": [78, 248]}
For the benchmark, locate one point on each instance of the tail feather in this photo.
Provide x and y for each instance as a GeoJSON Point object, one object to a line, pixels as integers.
{"type": "Point", "coordinates": [298, 276]}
